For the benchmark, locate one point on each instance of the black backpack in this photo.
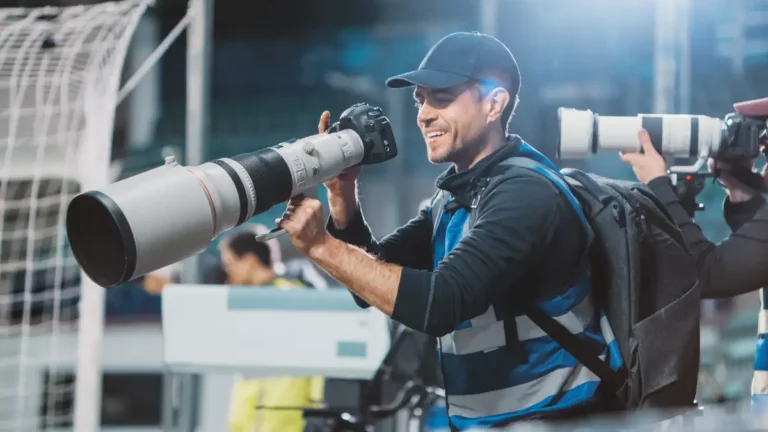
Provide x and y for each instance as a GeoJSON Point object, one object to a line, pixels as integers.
{"type": "Point", "coordinates": [646, 281]}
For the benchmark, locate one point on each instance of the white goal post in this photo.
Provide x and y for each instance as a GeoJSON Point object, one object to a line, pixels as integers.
{"type": "Point", "coordinates": [59, 76]}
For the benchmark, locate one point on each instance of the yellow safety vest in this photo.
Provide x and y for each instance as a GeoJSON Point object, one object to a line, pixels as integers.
{"type": "Point", "coordinates": [252, 400]}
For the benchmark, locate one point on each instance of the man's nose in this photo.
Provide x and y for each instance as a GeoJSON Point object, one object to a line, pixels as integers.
{"type": "Point", "coordinates": [426, 115]}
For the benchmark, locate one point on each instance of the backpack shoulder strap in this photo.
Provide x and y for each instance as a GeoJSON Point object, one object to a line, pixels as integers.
{"type": "Point", "coordinates": [611, 381]}
{"type": "Point", "coordinates": [436, 206]}
{"type": "Point", "coordinates": [560, 182]}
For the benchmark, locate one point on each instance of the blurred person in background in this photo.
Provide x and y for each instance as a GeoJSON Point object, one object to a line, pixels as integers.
{"type": "Point", "coordinates": [738, 264]}
{"type": "Point", "coordinates": [469, 286]}
{"type": "Point", "coordinates": [300, 269]}
{"type": "Point", "coordinates": [305, 271]}
{"type": "Point", "coordinates": [269, 404]}
{"type": "Point", "coordinates": [211, 270]}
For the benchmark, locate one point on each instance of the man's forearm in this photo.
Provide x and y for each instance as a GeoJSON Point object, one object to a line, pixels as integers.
{"type": "Point", "coordinates": [732, 267]}
{"type": "Point", "coordinates": [343, 206]}
{"type": "Point", "coordinates": [374, 281]}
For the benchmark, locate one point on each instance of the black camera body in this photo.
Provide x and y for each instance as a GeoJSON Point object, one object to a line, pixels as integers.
{"type": "Point", "coordinates": [741, 138]}
{"type": "Point", "coordinates": [374, 129]}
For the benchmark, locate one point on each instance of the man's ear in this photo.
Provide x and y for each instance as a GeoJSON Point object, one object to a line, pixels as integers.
{"type": "Point", "coordinates": [497, 99]}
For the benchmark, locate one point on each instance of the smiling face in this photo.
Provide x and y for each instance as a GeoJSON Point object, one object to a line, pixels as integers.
{"type": "Point", "coordinates": [457, 121]}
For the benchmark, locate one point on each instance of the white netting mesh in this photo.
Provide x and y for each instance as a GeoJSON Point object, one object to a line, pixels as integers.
{"type": "Point", "coordinates": [59, 71]}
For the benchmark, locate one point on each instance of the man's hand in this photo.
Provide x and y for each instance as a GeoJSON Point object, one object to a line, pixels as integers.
{"type": "Point", "coordinates": [346, 180]}
{"type": "Point", "coordinates": [373, 280]}
{"type": "Point", "coordinates": [342, 190]}
{"type": "Point", "coordinates": [154, 283]}
{"type": "Point", "coordinates": [303, 221]}
{"type": "Point", "coordinates": [736, 190]}
{"type": "Point", "coordinates": [649, 164]}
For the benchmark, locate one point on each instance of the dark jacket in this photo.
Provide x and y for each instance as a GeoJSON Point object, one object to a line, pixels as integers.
{"type": "Point", "coordinates": [738, 264]}
{"type": "Point", "coordinates": [534, 239]}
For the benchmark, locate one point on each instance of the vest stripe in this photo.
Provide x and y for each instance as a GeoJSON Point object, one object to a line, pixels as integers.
{"type": "Point", "coordinates": [474, 339]}
{"type": "Point", "coordinates": [480, 372]}
{"type": "Point", "coordinates": [762, 321]}
{"type": "Point", "coordinates": [489, 335]}
{"type": "Point", "coordinates": [760, 384]}
{"type": "Point", "coordinates": [568, 399]}
{"type": "Point", "coordinates": [488, 318]}
{"type": "Point", "coordinates": [576, 321]}
{"type": "Point", "coordinates": [537, 395]}
{"type": "Point", "coordinates": [522, 398]}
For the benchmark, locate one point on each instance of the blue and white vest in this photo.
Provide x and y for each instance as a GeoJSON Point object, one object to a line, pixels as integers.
{"type": "Point", "coordinates": [760, 377]}
{"type": "Point", "coordinates": [485, 381]}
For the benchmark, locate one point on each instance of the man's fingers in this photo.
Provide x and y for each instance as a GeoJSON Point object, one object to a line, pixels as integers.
{"type": "Point", "coordinates": [285, 218]}
{"type": "Point", "coordinates": [630, 158]}
{"type": "Point", "coordinates": [325, 120]}
{"type": "Point", "coordinates": [288, 225]}
{"type": "Point", "coordinates": [315, 205]}
{"type": "Point", "coordinates": [298, 212]}
{"type": "Point", "coordinates": [300, 201]}
{"type": "Point", "coordinates": [646, 143]}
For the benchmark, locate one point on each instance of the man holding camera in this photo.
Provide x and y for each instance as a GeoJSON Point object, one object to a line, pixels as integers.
{"type": "Point", "coordinates": [737, 265]}
{"type": "Point", "coordinates": [494, 238]}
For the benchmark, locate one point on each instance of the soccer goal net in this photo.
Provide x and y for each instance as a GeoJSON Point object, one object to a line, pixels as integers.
{"type": "Point", "coordinates": [59, 76]}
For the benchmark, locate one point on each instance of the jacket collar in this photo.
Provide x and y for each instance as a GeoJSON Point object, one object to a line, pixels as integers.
{"type": "Point", "coordinates": [462, 185]}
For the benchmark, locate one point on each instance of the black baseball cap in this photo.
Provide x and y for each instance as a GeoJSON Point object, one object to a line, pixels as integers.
{"type": "Point", "coordinates": [459, 57]}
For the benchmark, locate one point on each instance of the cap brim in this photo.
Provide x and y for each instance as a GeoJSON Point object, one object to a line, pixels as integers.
{"type": "Point", "coordinates": [753, 108]}
{"type": "Point", "coordinates": [431, 79]}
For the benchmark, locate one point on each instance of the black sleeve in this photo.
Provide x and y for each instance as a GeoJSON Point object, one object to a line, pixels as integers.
{"type": "Point", "coordinates": [515, 221]}
{"type": "Point", "coordinates": [739, 214]}
{"type": "Point", "coordinates": [735, 266]}
{"type": "Point", "coordinates": [409, 246]}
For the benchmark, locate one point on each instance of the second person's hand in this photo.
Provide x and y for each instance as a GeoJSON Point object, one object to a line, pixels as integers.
{"type": "Point", "coordinates": [649, 164]}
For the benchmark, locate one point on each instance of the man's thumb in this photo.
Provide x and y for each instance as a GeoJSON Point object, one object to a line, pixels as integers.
{"type": "Point", "coordinates": [646, 143]}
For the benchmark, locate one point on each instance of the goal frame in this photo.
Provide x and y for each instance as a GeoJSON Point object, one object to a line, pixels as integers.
{"type": "Point", "coordinates": [180, 400]}
{"type": "Point", "coordinates": [181, 391]}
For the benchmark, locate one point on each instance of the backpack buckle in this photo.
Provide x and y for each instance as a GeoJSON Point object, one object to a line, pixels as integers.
{"type": "Point", "coordinates": [475, 200]}
{"type": "Point", "coordinates": [478, 190]}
